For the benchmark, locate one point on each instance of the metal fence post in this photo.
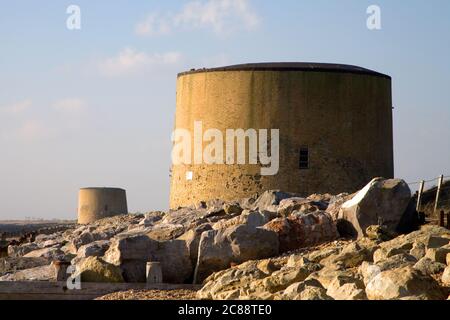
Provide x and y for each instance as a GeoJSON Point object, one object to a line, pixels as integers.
{"type": "Point", "coordinates": [448, 220]}
{"type": "Point", "coordinates": [438, 192]}
{"type": "Point", "coordinates": [419, 196]}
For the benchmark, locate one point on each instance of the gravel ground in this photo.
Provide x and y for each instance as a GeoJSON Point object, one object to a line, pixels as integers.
{"type": "Point", "coordinates": [151, 295]}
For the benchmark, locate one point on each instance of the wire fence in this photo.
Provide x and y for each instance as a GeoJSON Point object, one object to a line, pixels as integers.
{"type": "Point", "coordinates": [417, 183]}
{"type": "Point", "coordinates": [433, 196]}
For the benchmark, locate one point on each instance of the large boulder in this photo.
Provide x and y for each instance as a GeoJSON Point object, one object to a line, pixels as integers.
{"type": "Point", "coordinates": [218, 249]}
{"type": "Point", "coordinates": [386, 252]}
{"type": "Point", "coordinates": [192, 240]}
{"type": "Point", "coordinates": [47, 253]}
{"type": "Point", "coordinates": [434, 242]}
{"type": "Point", "coordinates": [313, 294]}
{"type": "Point", "coordinates": [175, 261]}
{"type": "Point", "coordinates": [270, 200]}
{"type": "Point", "coordinates": [404, 283]}
{"type": "Point", "coordinates": [351, 255]}
{"type": "Point", "coordinates": [346, 288]}
{"type": "Point", "coordinates": [53, 243]}
{"type": "Point", "coordinates": [303, 230]}
{"type": "Point", "coordinates": [381, 202]}
{"type": "Point", "coordinates": [418, 250]}
{"type": "Point", "coordinates": [132, 253]}
{"type": "Point", "coordinates": [411, 220]}
{"type": "Point", "coordinates": [282, 279]}
{"type": "Point", "coordinates": [292, 292]}
{"type": "Point", "coordinates": [12, 264]}
{"type": "Point", "coordinates": [94, 269]}
{"type": "Point", "coordinates": [88, 236]}
{"type": "Point", "coordinates": [379, 233]}
{"type": "Point", "coordinates": [328, 274]}
{"type": "Point", "coordinates": [42, 273]}
{"type": "Point", "coordinates": [430, 267]}
{"type": "Point", "coordinates": [231, 284]}
{"type": "Point", "coordinates": [398, 261]}
{"type": "Point", "coordinates": [184, 216]}
{"type": "Point", "coordinates": [165, 231]}
{"type": "Point", "coordinates": [232, 208]}
{"type": "Point", "coordinates": [428, 239]}
{"type": "Point", "coordinates": [446, 276]}
{"type": "Point", "coordinates": [20, 251]}
{"type": "Point", "coordinates": [438, 254]}
{"type": "Point", "coordinates": [334, 206]}
{"type": "Point", "coordinates": [253, 218]}
{"type": "Point", "coordinates": [290, 205]}
{"type": "Point", "coordinates": [125, 247]}
{"type": "Point", "coordinates": [94, 249]}
{"type": "Point", "coordinates": [368, 270]}
{"type": "Point", "coordinates": [151, 219]}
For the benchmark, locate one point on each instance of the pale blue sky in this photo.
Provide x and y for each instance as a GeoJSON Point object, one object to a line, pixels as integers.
{"type": "Point", "coordinates": [95, 107]}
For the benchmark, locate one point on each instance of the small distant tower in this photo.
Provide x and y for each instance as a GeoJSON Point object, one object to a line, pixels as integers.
{"type": "Point", "coordinates": [99, 203]}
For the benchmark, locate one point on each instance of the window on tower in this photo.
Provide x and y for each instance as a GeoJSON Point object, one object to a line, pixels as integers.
{"type": "Point", "coordinates": [304, 158]}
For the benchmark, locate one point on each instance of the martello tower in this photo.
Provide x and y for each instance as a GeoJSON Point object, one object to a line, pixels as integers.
{"type": "Point", "coordinates": [334, 121]}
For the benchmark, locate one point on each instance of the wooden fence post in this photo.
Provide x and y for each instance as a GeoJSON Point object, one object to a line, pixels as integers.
{"type": "Point", "coordinates": [438, 192]}
{"type": "Point", "coordinates": [419, 196]}
{"type": "Point", "coordinates": [442, 219]}
{"type": "Point", "coordinates": [448, 220]}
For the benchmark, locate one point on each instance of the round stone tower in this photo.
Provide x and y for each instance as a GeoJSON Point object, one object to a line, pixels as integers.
{"type": "Point", "coordinates": [334, 122]}
{"type": "Point", "coordinates": [99, 203]}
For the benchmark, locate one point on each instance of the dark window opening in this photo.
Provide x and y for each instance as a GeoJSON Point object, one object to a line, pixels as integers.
{"type": "Point", "coordinates": [304, 158]}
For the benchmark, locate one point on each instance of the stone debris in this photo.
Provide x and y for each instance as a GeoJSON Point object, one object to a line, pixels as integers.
{"type": "Point", "coordinates": [340, 270]}
{"type": "Point", "coordinates": [273, 246]}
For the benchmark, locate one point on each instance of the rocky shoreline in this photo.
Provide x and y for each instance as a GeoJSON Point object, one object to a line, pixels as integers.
{"type": "Point", "coordinates": [277, 246]}
{"type": "Point", "coordinates": [414, 266]}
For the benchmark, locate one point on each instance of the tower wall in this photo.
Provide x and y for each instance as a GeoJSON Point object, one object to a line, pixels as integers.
{"type": "Point", "coordinates": [99, 203]}
{"type": "Point", "coordinates": [342, 115]}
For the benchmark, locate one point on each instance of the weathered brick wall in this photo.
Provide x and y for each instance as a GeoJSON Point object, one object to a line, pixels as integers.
{"type": "Point", "coordinates": [344, 118]}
